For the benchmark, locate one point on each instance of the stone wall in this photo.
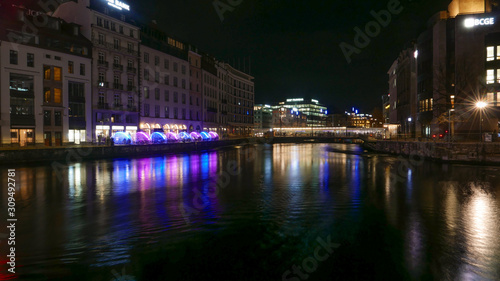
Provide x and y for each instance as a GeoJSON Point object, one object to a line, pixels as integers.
{"type": "Point", "coordinates": [487, 153]}
{"type": "Point", "coordinates": [75, 154]}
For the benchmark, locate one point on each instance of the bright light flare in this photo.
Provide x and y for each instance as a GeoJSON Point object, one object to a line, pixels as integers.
{"type": "Point", "coordinates": [481, 104]}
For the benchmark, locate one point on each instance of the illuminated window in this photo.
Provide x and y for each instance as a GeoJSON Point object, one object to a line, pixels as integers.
{"type": "Point", "coordinates": [430, 103]}
{"type": "Point", "coordinates": [490, 53]}
{"type": "Point", "coordinates": [490, 97]}
{"type": "Point", "coordinates": [46, 94]}
{"type": "Point", "coordinates": [46, 72]}
{"type": "Point", "coordinates": [57, 73]}
{"type": "Point", "coordinates": [57, 95]}
{"type": "Point", "coordinates": [71, 67]}
{"type": "Point", "coordinates": [498, 75]}
{"type": "Point", "coordinates": [490, 76]}
{"type": "Point", "coordinates": [498, 52]}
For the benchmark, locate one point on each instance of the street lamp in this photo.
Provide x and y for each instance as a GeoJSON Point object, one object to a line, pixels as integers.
{"type": "Point", "coordinates": [408, 126]}
{"type": "Point", "coordinates": [449, 124]}
{"type": "Point", "coordinates": [481, 105]}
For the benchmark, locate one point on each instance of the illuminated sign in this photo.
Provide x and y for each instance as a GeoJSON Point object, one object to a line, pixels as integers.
{"type": "Point", "coordinates": [118, 5]}
{"type": "Point", "coordinates": [292, 100]}
{"type": "Point", "coordinates": [314, 101]}
{"type": "Point", "coordinates": [471, 22]}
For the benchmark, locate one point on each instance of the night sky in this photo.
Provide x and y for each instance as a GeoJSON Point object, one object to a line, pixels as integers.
{"type": "Point", "coordinates": [294, 45]}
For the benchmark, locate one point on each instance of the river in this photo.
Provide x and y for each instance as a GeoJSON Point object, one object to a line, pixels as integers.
{"type": "Point", "coordinates": [258, 212]}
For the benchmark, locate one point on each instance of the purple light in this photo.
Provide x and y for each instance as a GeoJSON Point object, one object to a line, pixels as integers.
{"type": "Point", "coordinates": [172, 136]}
{"type": "Point", "coordinates": [195, 136]}
{"type": "Point", "coordinates": [142, 138]}
{"type": "Point", "coordinates": [213, 135]}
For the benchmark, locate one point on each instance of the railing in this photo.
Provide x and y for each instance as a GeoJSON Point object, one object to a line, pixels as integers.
{"type": "Point", "coordinates": [131, 88]}
{"type": "Point", "coordinates": [103, 106]}
{"type": "Point", "coordinates": [102, 63]}
{"type": "Point", "coordinates": [117, 106]}
{"type": "Point", "coordinates": [131, 108]}
{"type": "Point", "coordinates": [118, 66]}
{"type": "Point", "coordinates": [131, 69]}
{"type": "Point", "coordinates": [117, 86]}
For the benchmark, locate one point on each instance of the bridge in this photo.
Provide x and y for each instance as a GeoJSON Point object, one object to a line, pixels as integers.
{"type": "Point", "coordinates": [367, 141]}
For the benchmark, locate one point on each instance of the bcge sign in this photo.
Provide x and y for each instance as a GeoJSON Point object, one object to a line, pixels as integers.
{"type": "Point", "coordinates": [471, 22]}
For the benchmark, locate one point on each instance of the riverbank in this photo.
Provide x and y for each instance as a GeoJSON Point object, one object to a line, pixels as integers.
{"type": "Point", "coordinates": [86, 152]}
{"type": "Point", "coordinates": [470, 153]}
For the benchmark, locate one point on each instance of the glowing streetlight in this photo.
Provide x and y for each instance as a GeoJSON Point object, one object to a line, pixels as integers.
{"type": "Point", "coordinates": [481, 105]}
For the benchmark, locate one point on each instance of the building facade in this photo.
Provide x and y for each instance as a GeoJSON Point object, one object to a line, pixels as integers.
{"type": "Point", "coordinates": [263, 117]}
{"type": "Point", "coordinates": [457, 66]}
{"type": "Point", "coordinates": [315, 112]}
{"type": "Point", "coordinates": [45, 81]}
{"type": "Point", "coordinates": [115, 77]}
{"type": "Point", "coordinates": [241, 99]}
{"type": "Point", "coordinates": [209, 83]}
{"type": "Point", "coordinates": [166, 101]}
{"type": "Point", "coordinates": [195, 87]}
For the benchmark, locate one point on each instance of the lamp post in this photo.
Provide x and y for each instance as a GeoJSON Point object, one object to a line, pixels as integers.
{"type": "Point", "coordinates": [409, 122]}
{"type": "Point", "coordinates": [480, 105]}
{"type": "Point", "coordinates": [449, 124]}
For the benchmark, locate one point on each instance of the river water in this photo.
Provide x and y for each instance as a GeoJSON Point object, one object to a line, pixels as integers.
{"type": "Point", "coordinates": [258, 212]}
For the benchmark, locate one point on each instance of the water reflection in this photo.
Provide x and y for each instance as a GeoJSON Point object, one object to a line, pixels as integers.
{"type": "Point", "coordinates": [445, 219]}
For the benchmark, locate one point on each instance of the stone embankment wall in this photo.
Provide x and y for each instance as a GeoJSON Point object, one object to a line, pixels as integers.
{"type": "Point", "coordinates": [486, 153]}
{"type": "Point", "coordinates": [75, 154]}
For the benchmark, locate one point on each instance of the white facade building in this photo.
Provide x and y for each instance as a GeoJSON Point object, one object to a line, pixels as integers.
{"type": "Point", "coordinates": [115, 76]}
{"type": "Point", "coordinates": [45, 82]}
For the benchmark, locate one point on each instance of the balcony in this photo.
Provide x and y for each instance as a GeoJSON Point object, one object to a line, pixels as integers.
{"type": "Point", "coordinates": [117, 106]}
{"type": "Point", "coordinates": [102, 63]}
{"type": "Point", "coordinates": [131, 108]}
{"type": "Point", "coordinates": [131, 70]}
{"type": "Point", "coordinates": [131, 88]}
{"type": "Point", "coordinates": [102, 106]}
{"type": "Point", "coordinates": [117, 66]}
{"type": "Point", "coordinates": [103, 84]}
{"type": "Point", "coordinates": [117, 86]}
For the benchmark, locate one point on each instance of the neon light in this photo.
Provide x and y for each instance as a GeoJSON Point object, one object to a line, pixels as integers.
{"type": "Point", "coordinates": [471, 22]}
{"type": "Point", "coordinates": [205, 136]}
{"type": "Point", "coordinates": [142, 138]}
{"type": "Point", "coordinates": [117, 4]}
{"type": "Point", "coordinates": [214, 135]}
{"type": "Point", "coordinates": [292, 100]}
{"type": "Point", "coordinates": [158, 137]}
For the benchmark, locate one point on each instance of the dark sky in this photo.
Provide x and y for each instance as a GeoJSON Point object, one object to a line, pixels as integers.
{"type": "Point", "coordinates": [294, 45]}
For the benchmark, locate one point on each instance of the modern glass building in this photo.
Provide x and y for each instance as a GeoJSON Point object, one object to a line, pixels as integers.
{"type": "Point", "coordinates": [313, 109]}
